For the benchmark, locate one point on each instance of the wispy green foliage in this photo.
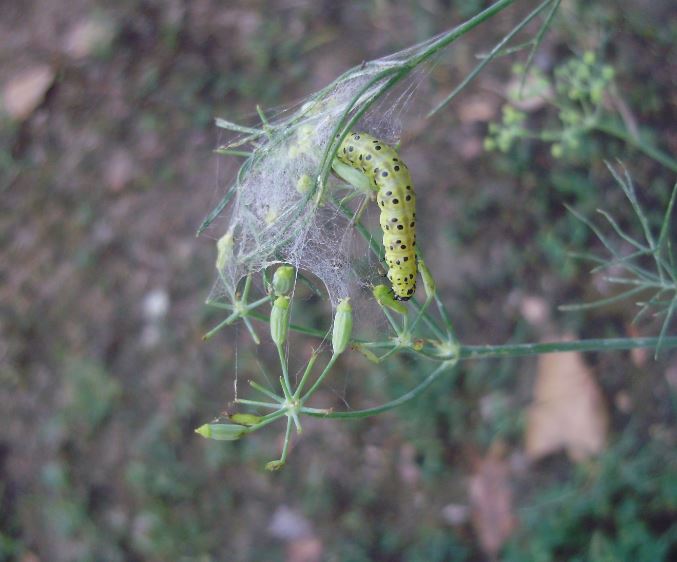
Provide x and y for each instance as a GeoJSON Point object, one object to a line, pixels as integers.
{"type": "Point", "coordinates": [645, 269]}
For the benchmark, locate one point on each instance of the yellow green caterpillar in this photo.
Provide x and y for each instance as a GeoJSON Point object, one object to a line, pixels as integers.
{"type": "Point", "coordinates": [389, 176]}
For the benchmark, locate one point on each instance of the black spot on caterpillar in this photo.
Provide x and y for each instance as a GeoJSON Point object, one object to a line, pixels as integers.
{"type": "Point", "coordinates": [390, 177]}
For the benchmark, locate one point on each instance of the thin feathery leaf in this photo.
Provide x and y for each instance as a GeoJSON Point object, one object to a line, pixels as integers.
{"type": "Point", "coordinates": [231, 152]}
{"type": "Point", "coordinates": [507, 51]}
{"type": "Point", "coordinates": [666, 324]}
{"type": "Point", "coordinates": [587, 257]}
{"type": "Point", "coordinates": [595, 230]}
{"type": "Point", "coordinates": [492, 54]}
{"type": "Point", "coordinates": [622, 234]}
{"type": "Point", "coordinates": [217, 210]}
{"type": "Point", "coordinates": [618, 259]}
{"type": "Point", "coordinates": [647, 306]}
{"type": "Point", "coordinates": [671, 260]}
{"type": "Point", "coordinates": [537, 42]}
{"type": "Point", "coordinates": [230, 126]}
{"type": "Point", "coordinates": [601, 302]}
{"type": "Point", "coordinates": [665, 226]}
{"type": "Point", "coordinates": [626, 262]}
{"type": "Point", "coordinates": [628, 188]}
{"type": "Point", "coordinates": [642, 282]}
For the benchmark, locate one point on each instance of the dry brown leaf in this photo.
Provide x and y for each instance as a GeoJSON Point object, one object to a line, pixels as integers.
{"type": "Point", "coordinates": [25, 91]}
{"type": "Point", "coordinates": [671, 375]}
{"type": "Point", "coordinates": [308, 549]}
{"type": "Point", "coordinates": [568, 411]}
{"type": "Point", "coordinates": [119, 170]}
{"type": "Point", "coordinates": [491, 503]}
{"type": "Point", "coordinates": [88, 36]}
{"type": "Point", "coordinates": [482, 108]}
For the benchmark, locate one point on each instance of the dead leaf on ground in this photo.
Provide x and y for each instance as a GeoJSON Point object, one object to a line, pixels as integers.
{"type": "Point", "coordinates": [88, 36]}
{"type": "Point", "coordinates": [491, 502]}
{"type": "Point", "coordinates": [24, 92]}
{"type": "Point", "coordinates": [671, 375]}
{"type": "Point", "coordinates": [568, 411]}
{"type": "Point", "coordinates": [119, 170]}
{"type": "Point", "coordinates": [479, 108]}
{"type": "Point", "coordinates": [308, 549]}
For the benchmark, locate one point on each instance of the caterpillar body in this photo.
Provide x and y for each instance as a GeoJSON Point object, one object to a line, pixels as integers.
{"type": "Point", "coordinates": [390, 177]}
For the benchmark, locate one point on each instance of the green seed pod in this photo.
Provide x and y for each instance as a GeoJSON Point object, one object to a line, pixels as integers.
{"type": "Point", "coordinates": [245, 419]}
{"type": "Point", "coordinates": [343, 326]}
{"type": "Point", "coordinates": [283, 280]}
{"type": "Point", "coordinates": [304, 184]}
{"type": "Point", "coordinates": [367, 353]}
{"type": "Point", "coordinates": [557, 150]}
{"type": "Point", "coordinates": [224, 249]}
{"type": "Point", "coordinates": [221, 431]}
{"type": "Point", "coordinates": [608, 72]}
{"type": "Point", "coordinates": [428, 282]}
{"type": "Point", "coordinates": [385, 298]}
{"type": "Point", "coordinates": [279, 320]}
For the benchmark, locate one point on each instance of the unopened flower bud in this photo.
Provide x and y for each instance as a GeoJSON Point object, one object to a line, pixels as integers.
{"type": "Point", "coordinates": [304, 184]}
{"type": "Point", "coordinates": [272, 466]}
{"type": "Point", "coordinates": [384, 296]}
{"type": "Point", "coordinates": [343, 326]}
{"type": "Point", "coordinates": [428, 282]}
{"type": "Point", "coordinates": [244, 419]}
{"type": "Point", "coordinates": [367, 353]}
{"type": "Point", "coordinates": [224, 249]}
{"type": "Point", "coordinates": [222, 431]}
{"type": "Point", "coordinates": [279, 320]}
{"type": "Point", "coordinates": [283, 280]}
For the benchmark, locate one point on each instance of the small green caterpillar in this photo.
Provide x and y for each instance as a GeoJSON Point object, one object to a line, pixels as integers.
{"type": "Point", "coordinates": [390, 177]}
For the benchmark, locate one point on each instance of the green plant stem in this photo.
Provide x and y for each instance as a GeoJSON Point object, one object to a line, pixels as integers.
{"type": "Point", "coordinates": [263, 390]}
{"type": "Point", "coordinates": [413, 393]}
{"type": "Point", "coordinates": [391, 320]}
{"type": "Point", "coordinates": [648, 149]}
{"type": "Point", "coordinates": [257, 403]}
{"type": "Point", "coordinates": [238, 313]}
{"type": "Point", "coordinates": [449, 37]}
{"type": "Point", "coordinates": [497, 49]}
{"type": "Point", "coordinates": [537, 42]}
{"type": "Point", "coordinates": [528, 349]}
{"type": "Point", "coordinates": [268, 419]}
{"type": "Point", "coordinates": [474, 352]}
{"type": "Point", "coordinates": [306, 374]}
{"type": "Point", "coordinates": [286, 386]}
{"type": "Point", "coordinates": [319, 380]}
{"type": "Point", "coordinates": [285, 446]}
{"type": "Point", "coordinates": [295, 327]}
{"type": "Point", "coordinates": [429, 321]}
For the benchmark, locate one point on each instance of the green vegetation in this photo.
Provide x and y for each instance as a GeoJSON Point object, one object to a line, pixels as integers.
{"type": "Point", "coordinates": [105, 375]}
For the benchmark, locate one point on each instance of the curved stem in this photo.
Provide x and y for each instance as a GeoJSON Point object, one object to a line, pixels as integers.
{"type": "Point", "coordinates": [413, 393]}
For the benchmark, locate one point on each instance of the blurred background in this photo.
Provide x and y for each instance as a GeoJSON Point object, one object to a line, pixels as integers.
{"type": "Point", "coordinates": [107, 169]}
